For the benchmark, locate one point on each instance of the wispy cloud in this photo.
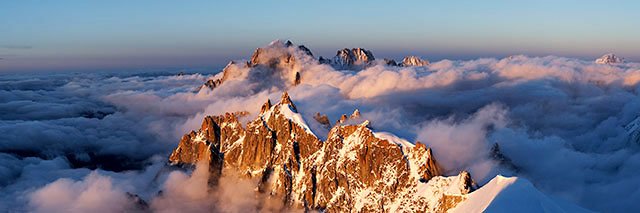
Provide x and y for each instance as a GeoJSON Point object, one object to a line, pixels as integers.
{"type": "Point", "coordinates": [16, 47]}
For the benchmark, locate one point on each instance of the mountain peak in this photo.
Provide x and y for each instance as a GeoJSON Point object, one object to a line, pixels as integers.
{"type": "Point", "coordinates": [609, 58]}
{"type": "Point", "coordinates": [278, 43]}
{"type": "Point", "coordinates": [288, 43]}
{"type": "Point", "coordinates": [355, 114]}
{"type": "Point", "coordinates": [281, 61]}
{"type": "Point", "coordinates": [285, 99]}
{"type": "Point", "coordinates": [290, 163]}
{"type": "Point", "coordinates": [354, 118]}
{"type": "Point", "coordinates": [352, 58]}
{"type": "Point", "coordinates": [265, 107]}
{"type": "Point", "coordinates": [390, 62]}
{"type": "Point", "coordinates": [413, 61]}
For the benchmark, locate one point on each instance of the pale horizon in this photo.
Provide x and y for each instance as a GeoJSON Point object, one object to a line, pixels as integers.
{"type": "Point", "coordinates": [76, 35]}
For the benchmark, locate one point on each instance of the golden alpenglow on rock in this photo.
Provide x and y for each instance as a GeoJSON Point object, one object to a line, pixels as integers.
{"type": "Point", "coordinates": [355, 169]}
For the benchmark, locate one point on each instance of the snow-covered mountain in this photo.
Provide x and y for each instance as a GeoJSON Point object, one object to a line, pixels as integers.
{"type": "Point", "coordinates": [609, 58]}
{"type": "Point", "coordinates": [356, 169]}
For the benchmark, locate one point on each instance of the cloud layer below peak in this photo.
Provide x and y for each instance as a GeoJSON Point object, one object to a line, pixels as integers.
{"type": "Point", "coordinates": [559, 121]}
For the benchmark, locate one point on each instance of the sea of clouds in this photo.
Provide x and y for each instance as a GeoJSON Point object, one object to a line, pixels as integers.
{"type": "Point", "coordinates": [74, 142]}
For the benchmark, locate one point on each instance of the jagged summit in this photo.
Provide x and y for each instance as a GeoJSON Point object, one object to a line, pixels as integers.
{"type": "Point", "coordinates": [276, 62]}
{"type": "Point", "coordinates": [355, 58]}
{"type": "Point", "coordinates": [322, 119]}
{"type": "Point", "coordinates": [288, 43]}
{"type": "Point", "coordinates": [265, 107]}
{"type": "Point", "coordinates": [413, 61]}
{"type": "Point", "coordinates": [354, 118]}
{"type": "Point", "coordinates": [300, 47]}
{"type": "Point", "coordinates": [285, 99]}
{"type": "Point", "coordinates": [354, 169]}
{"type": "Point", "coordinates": [390, 62]}
{"type": "Point", "coordinates": [286, 62]}
{"type": "Point", "coordinates": [609, 58]}
{"type": "Point", "coordinates": [278, 43]}
{"type": "Point", "coordinates": [355, 114]}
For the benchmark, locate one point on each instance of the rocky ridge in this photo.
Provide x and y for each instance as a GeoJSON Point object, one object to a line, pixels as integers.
{"type": "Point", "coordinates": [351, 59]}
{"type": "Point", "coordinates": [282, 61]}
{"type": "Point", "coordinates": [413, 61]}
{"type": "Point", "coordinates": [354, 170]}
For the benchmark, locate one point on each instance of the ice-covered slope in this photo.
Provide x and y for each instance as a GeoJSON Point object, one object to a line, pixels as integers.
{"type": "Point", "coordinates": [512, 194]}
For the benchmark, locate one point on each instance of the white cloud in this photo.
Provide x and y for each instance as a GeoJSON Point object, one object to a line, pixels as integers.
{"type": "Point", "coordinates": [95, 193]}
{"type": "Point", "coordinates": [558, 119]}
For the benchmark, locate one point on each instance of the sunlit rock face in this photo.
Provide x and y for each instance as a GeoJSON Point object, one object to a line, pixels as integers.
{"type": "Point", "coordinates": [410, 61]}
{"type": "Point", "coordinates": [276, 63]}
{"type": "Point", "coordinates": [355, 169]}
{"type": "Point", "coordinates": [284, 64]}
{"type": "Point", "coordinates": [350, 59]}
{"type": "Point", "coordinates": [609, 59]}
{"type": "Point", "coordinates": [323, 120]}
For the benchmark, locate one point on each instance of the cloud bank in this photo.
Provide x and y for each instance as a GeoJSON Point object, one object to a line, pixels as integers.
{"type": "Point", "coordinates": [559, 121]}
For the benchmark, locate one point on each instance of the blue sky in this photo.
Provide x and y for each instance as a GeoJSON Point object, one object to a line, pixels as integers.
{"type": "Point", "coordinates": [89, 35]}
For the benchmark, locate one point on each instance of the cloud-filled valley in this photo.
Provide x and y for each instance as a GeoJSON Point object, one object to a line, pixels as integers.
{"type": "Point", "coordinates": [101, 139]}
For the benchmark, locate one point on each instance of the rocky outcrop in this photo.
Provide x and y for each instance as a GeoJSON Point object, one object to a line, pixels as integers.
{"type": "Point", "coordinates": [609, 59]}
{"type": "Point", "coordinates": [355, 169]}
{"type": "Point", "coordinates": [390, 62]}
{"type": "Point", "coordinates": [633, 129]}
{"type": "Point", "coordinates": [278, 61]}
{"type": "Point", "coordinates": [272, 58]}
{"type": "Point", "coordinates": [356, 58]}
{"type": "Point", "coordinates": [353, 118]}
{"type": "Point", "coordinates": [302, 48]}
{"type": "Point", "coordinates": [502, 159]}
{"type": "Point", "coordinates": [322, 119]}
{"type": "Point", "coordinates": [216, 136]}
{"type": "Point", "coordinates": [282, 62]}
{"type": "Point", "coordinates": [323, 60]}
{"type": "Point", "coordinates": [297, 79]}
{"type": "Point", "coordinates": [410, 61]}
{"type": "Point", "coordinates": [212, 83]}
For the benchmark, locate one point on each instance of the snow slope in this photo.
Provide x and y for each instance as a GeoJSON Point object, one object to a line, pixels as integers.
{"type": "Point", "coordinates": [512, 194]}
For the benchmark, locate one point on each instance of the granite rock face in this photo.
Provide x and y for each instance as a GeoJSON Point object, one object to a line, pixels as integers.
{"type": "Point", "coordinates": [354, 170]}
{"type": "Point", "coordinates": [277, 62]}
{"type": "Point", "coordinates": [410, 61]}
{"type": "Point", "coordinates": [350, 59]}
